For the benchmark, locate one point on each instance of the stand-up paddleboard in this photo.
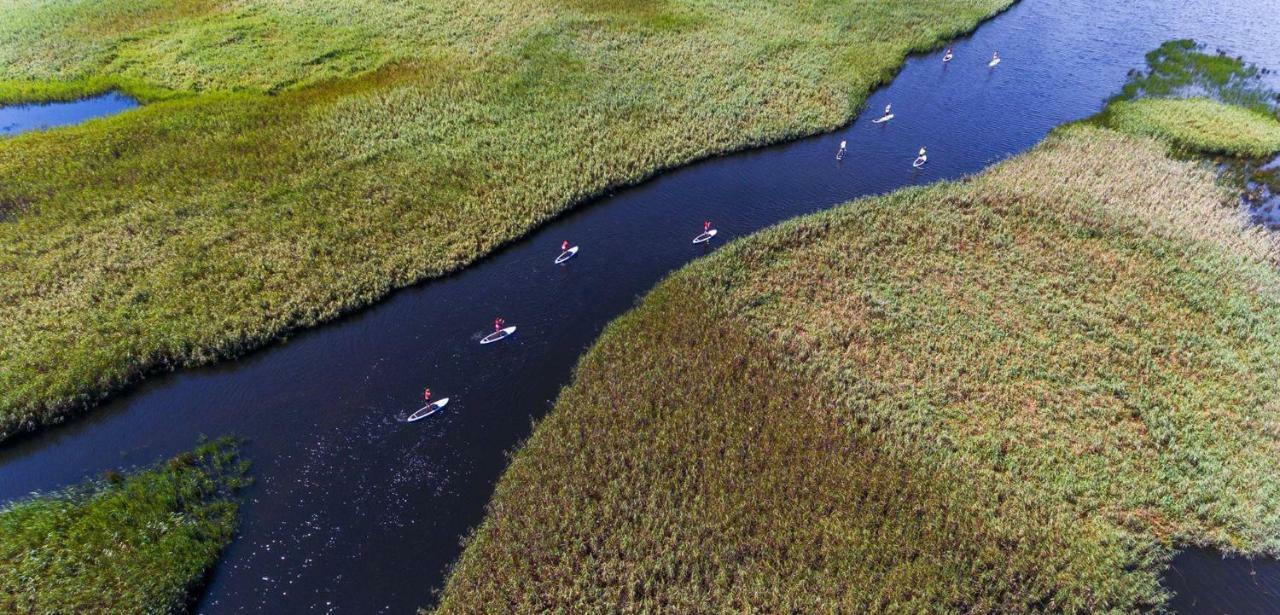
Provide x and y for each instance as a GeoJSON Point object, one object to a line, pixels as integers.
{"type": "Point", "coordinates": [705, 237]}
{"type": "Point", "coordinates": [498, 335]}
{"type": "Point", "coordinates": [567, 254]}
{"type": "Point", "coordinates": [992, 64]}
{"type": "Point", "coordinates": [920, 161]}
{"type": "Point", "coordinates": [882, 119]}
{"type": "Point", "coordinates": [428, 410]}
{"type": "Point", "coordinates": [947, 58]}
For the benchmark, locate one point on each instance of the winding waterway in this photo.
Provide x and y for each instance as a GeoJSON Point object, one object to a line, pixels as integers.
{"type": "Point", "coordinates": [356, 511]}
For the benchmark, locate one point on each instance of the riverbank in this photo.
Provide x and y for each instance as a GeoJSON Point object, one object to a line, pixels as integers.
{"type": "Point", "coordinates": [141, 543]}
{"type": "Point", "coordinates": [196, 229]}
{"type": "Point", "coordinates": [1016, 392]}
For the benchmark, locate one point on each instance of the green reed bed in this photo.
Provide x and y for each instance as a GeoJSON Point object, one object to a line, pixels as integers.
{"type": "Point", "coordinates": [1014, 393]}
{"type": "Point", "coordinates": [141, 543]}
{"type": "Point", "coordinates": [324, 153]}
{"type": "Point", "coordinates": [1199, 125]}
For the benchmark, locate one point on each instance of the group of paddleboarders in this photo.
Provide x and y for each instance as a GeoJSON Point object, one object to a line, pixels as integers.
{"type": "Point", "coordinates": [499, 323]}
{"type": "Point", "coordinates": [921, 158]}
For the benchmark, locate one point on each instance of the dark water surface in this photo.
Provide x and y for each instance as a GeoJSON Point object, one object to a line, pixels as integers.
{"type": "Point", "coordinates": [355, 511]}
{"type": "Point", "coordinates": [15, 119]}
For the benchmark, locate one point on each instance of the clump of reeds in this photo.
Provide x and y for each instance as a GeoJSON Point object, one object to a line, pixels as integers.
{"type": "Point", "coordinates": [137, 543]}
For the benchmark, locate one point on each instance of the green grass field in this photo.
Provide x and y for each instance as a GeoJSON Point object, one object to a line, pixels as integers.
{"type": "Point", "coordinates": [304, 159]}
{"type": "Point", "coordinates": [1019, 392]}
{"type": "Point", "coordinates": [1199, 125]}
{"type": "Point", "coordinates": [125, 544]}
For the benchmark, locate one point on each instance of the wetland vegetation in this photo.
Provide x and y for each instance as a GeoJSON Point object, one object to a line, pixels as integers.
{"type": "Point", "coordinates": [300, 160]}
{"type": "Point", "coordinates": [140, 543]}
{"type": "Point", "coordinates": [1018, 392]}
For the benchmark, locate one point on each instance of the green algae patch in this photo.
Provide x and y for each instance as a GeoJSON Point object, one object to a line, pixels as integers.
{"type": "Point", "coordinates": [1020, 392]}
{"type": "Point", "coordinates": [141, 543]}
{"type": "Point", "coordinates": [1198, 125]}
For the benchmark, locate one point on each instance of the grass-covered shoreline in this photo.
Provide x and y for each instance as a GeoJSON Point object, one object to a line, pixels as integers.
{"type": "Point", "coordinates": [141, 543]}
{"type": "Point", "coordinates": [333, 152]}
{"type": "Point", "coordinates": [1019, 392]}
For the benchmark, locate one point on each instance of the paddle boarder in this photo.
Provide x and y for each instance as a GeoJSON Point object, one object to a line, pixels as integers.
{"type": "Point", "coordinates": [840, 152]}
{"type": "Point", "coordinates": [706, 226]}
{"type": "Point", "coordinates": [497, 324]}
{"type": "Point", "coordinates": [995, 58]}
{"type": "Point", "coordinates": [946, 57]}
{"type": "Point", "coordinates": [564, 246]}
{"type": "Point", "coordinates": [426, 397]}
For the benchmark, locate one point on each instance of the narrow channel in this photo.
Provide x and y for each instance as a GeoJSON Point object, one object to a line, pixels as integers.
{"type": "Point", "coordinates": [356, 511]}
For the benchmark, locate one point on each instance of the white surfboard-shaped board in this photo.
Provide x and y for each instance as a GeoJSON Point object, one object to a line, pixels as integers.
{"type": "Point", "coordinates": [947, 58]}
{"type": "Point", "coordinates": [920, 161]}
{"type": "Point", "coordinates": [705, 237]}
{"type": "Point", "coordinates": [882, 119]}
{"type": "Point", "coordinates": [566, 255]}
{"type": "Point", "coordinates": [498, 335]}
{"type": "Point", "coordinates": [993, 63]}
{"type": "Point", "coordinates": [428, 410]}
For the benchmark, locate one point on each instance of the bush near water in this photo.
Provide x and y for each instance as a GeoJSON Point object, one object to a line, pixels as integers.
{"type": "Point", "coordinates": [1018, 392]}
{"type": "Point", "coordinates": [309, 157]}
{"type": "Point", "coordinates": [140, 543]}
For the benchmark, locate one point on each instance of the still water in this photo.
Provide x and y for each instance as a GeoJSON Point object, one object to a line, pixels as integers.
{"type": "Point", "coordinates": [356, 511]}
{"type": "Point", "coordinates": [15, 119]}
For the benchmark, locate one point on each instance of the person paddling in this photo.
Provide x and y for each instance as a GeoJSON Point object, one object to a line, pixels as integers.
{"type": "Point", "coordinates": [426, 397]}
{"type": "Point", "coordinates": [840, 152]}
{"type": "Point", "coordinates": [995, 58]}
{"type": "Point", "coordinates": [706, 226]}
{"type": "Point", "coordinates": [946, 57]}
{"type": "Point", "coordinates": [888, 109]}
{"type": "Point", "coordinates": [564, 246]}
{"type": "Point", "coordinates": [497, 324]}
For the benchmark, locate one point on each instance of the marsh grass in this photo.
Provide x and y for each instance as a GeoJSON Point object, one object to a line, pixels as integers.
{"type": "Point", "coordinates": [323, 154]}
{"type": "Point", "coordinates": [1199, 125]}
{"type": "Point", "coordinates": [1014, 393]}
{"type": "Point", "coordinates": [141, 543]}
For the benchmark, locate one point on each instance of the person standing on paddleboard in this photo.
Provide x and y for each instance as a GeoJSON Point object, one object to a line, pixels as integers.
{"type": "Point", "coordinates": [497, 324]}
{"type": "Point", "coordinates": [706, 226]}
{"type": "Point", "coordinates": [888, 109]}
{"type": "Point", "coordinates": [426, 397]}
{"type": "Point", "coordinates": [564, 246]}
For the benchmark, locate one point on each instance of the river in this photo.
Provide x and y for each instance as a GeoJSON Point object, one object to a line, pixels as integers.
{"type": "Point", "coordinates": [356, 511]}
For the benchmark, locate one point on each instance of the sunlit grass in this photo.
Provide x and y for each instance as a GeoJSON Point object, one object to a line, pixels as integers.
{"type": "Point", "coordinates": [124, 544]}
{"type": "Point", "coordinates": [403, 140]}
{"type": "Point", "coordinates": [1014, 393]}
{"type": "Point", "coordinates": [1199, 125]}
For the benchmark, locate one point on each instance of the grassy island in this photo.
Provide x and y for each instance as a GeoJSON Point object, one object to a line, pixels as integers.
{"type": "Point", "coordinates": [1199, 125]}
{"type": "Point", "coordinates": [303, 159]}
{"type": "Point", "coordinates": [1018, 392]}
{"type": "Point", "coordinates": [124, 544]}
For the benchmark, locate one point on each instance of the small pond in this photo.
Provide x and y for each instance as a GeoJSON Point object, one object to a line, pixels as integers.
{"type": "Point", "coordinates": [16, 119]}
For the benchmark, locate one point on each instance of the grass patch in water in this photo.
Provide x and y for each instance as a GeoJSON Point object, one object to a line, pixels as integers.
{"type": "Point", "coordinates": [141, 543]}
{"type": "Point", "coordinates": [1180, 68]}
{"type": "Point", "coordinates": [1018, 392]}
{"type": "Point", "coordinates": [289, 192]}
{"type": "Point", "coordinates": [1198, 125]}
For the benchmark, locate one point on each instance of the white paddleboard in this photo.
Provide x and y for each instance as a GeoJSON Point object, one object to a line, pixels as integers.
{"type": "Point", "coordinates": [705, 237]}
{"type": "Point", "coordinates": [498, 335]}
{"type": "Point", "coordinates": [567, 254]}
{"type": "Point", "coordinates": [947, 58]}
{"type": "Point", "coordinates": [883, 119]}
{"type": "Point", "coordinates": [993, 63]}
{"type": "Point", "coordinates": [920, 161]}
{"type": "Point", "coordinates": [428, 410]}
